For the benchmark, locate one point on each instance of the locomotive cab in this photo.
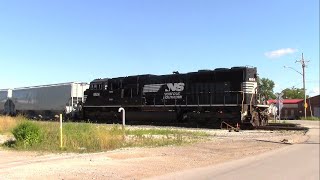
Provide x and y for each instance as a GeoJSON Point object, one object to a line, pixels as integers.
{"type": "Point", "coordinates": [99, 84]}
{"type": "Point", "coordinates": [95, 91]}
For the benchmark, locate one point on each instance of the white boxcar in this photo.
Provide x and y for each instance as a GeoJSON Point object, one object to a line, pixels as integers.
{"type": "Point", "coordinates": [48, 100]}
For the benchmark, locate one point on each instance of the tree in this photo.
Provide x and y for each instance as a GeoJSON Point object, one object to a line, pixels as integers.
{"type": "Point", "coordinates": [266, 89]}
{"type": "Point", "coordinates": [293, 93]}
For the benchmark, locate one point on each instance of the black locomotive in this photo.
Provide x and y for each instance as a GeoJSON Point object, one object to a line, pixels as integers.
{"type": "Point", "coordinates": [200, 99]}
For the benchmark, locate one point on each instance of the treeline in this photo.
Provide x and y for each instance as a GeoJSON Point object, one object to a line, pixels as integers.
{"type": "Point", "coordinates": [266, 92]}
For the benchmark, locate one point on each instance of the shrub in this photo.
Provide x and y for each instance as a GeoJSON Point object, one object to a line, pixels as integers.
{"type": "Point", "coordinates": [27, 134]}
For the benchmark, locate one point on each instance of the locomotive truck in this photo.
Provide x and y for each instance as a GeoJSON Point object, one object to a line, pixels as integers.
{"type": "Point", "coordinates": [206, 98]}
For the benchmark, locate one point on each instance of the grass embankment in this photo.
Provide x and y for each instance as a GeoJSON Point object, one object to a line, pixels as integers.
{"type": "Point", "coordinates": [86, 137]}
{"type": "Point", "coordinates": [311, 118]}
{"type": "Point", "coordinates": [7, 123]}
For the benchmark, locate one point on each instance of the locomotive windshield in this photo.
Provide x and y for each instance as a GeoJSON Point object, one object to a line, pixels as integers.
{"type": "Point", "coordinates": [99, 84]}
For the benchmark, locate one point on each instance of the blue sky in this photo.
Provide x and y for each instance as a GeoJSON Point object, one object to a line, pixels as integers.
{"type": "Point", "coordinates": [45, 42]}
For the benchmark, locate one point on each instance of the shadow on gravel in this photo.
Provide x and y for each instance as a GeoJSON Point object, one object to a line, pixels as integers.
{"type": "Point", "coordinates": [281, 142]}
{"type": "Point", "coordinates": [10, 143]}
{"type": "Point", "coordinates": [285, 142]}
{"type": "Point", "coordinates": [309, 143]}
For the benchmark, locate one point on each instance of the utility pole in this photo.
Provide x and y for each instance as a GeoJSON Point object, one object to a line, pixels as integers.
{"type": "Point", "coordinates": [303, 64]}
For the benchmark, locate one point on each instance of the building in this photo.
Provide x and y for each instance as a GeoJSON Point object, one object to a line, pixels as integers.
{"type": "Point", "coordinates": [292, 108]}
{"type": "Point", "coordinates": [313, 106]}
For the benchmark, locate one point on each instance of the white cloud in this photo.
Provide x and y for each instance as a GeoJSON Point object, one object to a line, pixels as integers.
{"type": "Point", "coordinates": [280, 52]}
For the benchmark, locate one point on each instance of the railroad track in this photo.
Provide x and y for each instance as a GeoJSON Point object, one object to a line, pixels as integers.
{"type": "Point", "coordinates": [280, 126]}
{"type": "Point", "coordinates": [284, 124]}
{"type": "Point", "coordinates": [270, 126]}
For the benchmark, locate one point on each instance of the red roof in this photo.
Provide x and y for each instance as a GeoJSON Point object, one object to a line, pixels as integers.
{"type": "Point", "coordinates": [286, 101]}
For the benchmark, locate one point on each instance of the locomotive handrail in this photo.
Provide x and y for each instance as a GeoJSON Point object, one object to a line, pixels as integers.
{"type": "Point", "coordinates": [123, 116]}
{"type": "Point", "coordinates": [242, 108]}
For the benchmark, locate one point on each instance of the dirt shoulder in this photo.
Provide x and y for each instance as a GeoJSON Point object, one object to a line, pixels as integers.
{"type": "Point", "coordinates": [139, 163]}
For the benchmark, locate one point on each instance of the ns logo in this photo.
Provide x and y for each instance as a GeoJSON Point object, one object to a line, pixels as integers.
{"type": "Point", "coordinates": [175, 87]}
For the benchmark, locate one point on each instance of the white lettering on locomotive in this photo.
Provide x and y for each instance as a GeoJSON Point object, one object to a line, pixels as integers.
{"type": "Point", "coordinates": [173, 91]}
{"type": "Point", "coordinates": [172, 95]}
{"type": "Point", "coordinates": [96, 94]}
{"type": "Point", "coordinates": [252, 79]}
{"type": "Point", "coordinates": [175, 87]}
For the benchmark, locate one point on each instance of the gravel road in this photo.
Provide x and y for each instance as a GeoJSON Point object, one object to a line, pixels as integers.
{"type": "Point", "coordinates": [139, 163]}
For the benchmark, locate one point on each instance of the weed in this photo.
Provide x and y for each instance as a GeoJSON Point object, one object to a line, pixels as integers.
{"type": "Point", "coordinates": [27, 134]}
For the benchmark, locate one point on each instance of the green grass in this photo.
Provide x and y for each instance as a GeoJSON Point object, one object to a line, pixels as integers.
{"type": "Point", "coordinates": [87, 137]}
{"type": "Point", "coordinates": [163, 131]}
{"type": "Point", "coordinates": [161, 137]}
{"type": "Point", "coordinates": [311, 118]}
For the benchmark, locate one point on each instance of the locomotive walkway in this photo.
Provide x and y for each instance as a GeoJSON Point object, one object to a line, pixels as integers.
{"type": "Point", "coordinates": [298, 161]}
